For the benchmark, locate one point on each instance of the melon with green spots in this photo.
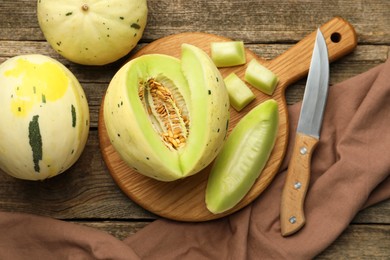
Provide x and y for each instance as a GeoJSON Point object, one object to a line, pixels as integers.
{"type": "Point", "coordinates": [92, 32]}
{"type": "Point", "coordinates": [44, 120]}
{"type": "Point", "coordinates": [168, 117]}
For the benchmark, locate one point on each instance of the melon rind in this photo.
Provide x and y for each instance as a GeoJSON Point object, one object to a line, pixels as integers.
{"type": "Point", "coordinates": [132, 134]}
{"type": "Point", "coordinates": [63, 120]}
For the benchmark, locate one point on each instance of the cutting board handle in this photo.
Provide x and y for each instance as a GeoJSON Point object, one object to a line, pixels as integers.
{"type": "Point", "coordinates": [294, 64]}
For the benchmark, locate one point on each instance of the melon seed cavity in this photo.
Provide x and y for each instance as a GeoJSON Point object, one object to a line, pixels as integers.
{"type": "Point", "coordinates": [166, 109]}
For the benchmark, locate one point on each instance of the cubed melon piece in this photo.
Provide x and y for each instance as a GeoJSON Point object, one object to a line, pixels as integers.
{"type": "Point", "coordinates": [227, 54]}
{"type": "Point", "coordinates": [240, 95]}
{"type": "Point", "coordinates": [260, 77]}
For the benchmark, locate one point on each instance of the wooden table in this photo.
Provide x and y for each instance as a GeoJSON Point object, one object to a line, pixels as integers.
{"type": "Point", "coordinates": [86, 193]}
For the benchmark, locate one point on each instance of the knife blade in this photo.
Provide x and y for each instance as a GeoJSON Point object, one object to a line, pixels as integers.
{"type": "Point", "coordinates": [292, 217]}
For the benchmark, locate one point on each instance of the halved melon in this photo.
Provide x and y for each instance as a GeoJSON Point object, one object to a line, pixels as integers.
{"type": "Point", "coordinates": [167, 118]}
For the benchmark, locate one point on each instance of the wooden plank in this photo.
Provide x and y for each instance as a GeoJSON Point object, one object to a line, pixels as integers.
{"type": "Point", "coordinates": [376, 214]}
{"type": "Point", "coordinates": [360, 242]}
{"type": "Point", "coordinates": [118, 229]}
{"type": "Point", "coordinates": [363, 52]}
{"type": "Point", "coordinates": [265, 21]}
{"type": "Point", "coordinates": [369, 54]}
{"type": "Point", "coordinates": [364, 56]}
{"type": "Point", "coordinates": [259, 21]}
{"type": "Point", "coordinates": [19, 21]}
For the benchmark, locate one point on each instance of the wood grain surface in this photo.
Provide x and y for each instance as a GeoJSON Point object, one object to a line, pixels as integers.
{"type": "Point", "coordinates": [184, 200]}
{"type": "Point", "coordinates": [86, 194]}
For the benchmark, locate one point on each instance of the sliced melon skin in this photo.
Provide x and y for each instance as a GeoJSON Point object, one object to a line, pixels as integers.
{"type": "Point", "coordinates": [132, 133]}
{"type": "Point", "coordinates": [243, 157]}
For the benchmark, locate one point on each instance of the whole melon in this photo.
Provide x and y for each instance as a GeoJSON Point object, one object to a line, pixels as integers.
{"type": "Point", "coordinates": [44, 120]}
{"type": "Point", "coordinates": [92, 32]}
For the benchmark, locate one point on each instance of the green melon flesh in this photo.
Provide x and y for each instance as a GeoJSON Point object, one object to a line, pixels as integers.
{"type": "Point", "coordinates": [243, 157]}
{"type": "Point", "coordinates": [227, 54]}
{"type": "Point", "coordinates": [198, 87]}
{"type": "Point", "coordinates": [260, 77]}
{"type": "Point", "coordinates": [240, 95]}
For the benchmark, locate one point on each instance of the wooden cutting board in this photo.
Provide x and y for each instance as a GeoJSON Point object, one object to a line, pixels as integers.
{"type": "Point", "coordinates": [183, 200]}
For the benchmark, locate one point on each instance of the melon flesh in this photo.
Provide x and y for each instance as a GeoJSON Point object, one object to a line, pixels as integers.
{"type": "Point", "coordinates": [134, 134]}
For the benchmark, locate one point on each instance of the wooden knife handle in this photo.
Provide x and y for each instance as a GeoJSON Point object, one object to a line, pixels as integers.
{"type": "Point", "coordinates": [292, 216]}
{"type": "Point", "coordinates": [294, 64]}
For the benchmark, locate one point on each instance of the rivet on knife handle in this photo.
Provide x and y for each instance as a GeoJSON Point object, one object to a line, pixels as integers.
{"type": "Point", "coordinates": [297, 181]}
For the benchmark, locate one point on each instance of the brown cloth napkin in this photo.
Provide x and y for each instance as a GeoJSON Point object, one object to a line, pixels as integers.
{"type": "Point", "coordinates": [350, 171]}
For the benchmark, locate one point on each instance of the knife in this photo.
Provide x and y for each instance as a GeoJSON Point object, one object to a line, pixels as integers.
{"type": "Point", "coordinates": [292, 216]}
